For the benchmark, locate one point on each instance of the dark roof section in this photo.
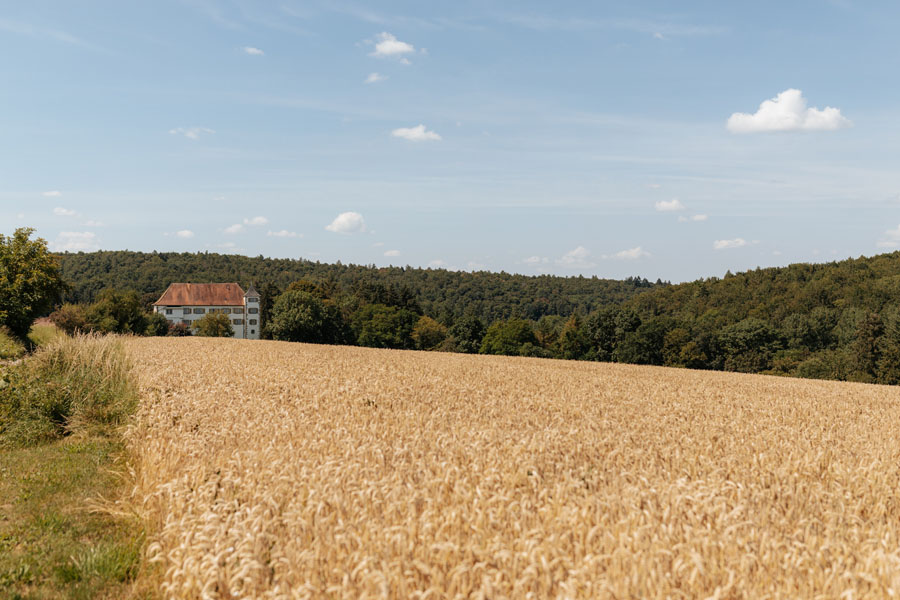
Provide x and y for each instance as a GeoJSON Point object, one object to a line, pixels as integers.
{"type": "Point", "coordinates": [202, 294]}
{"type": "Point", "coordinates": [251, 291]}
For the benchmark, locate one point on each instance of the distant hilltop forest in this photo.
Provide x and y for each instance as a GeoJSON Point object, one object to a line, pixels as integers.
{"type": "Point", "coordinates": [839, 320]}
{"type": "Point", "coordinates": [443, 295]}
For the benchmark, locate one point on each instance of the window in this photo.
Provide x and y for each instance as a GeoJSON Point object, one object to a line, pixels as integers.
{"type": "Point", "coordinates": [252, 321]}
{"type": "Point", "coordinates": [252, 311]}
{"type": "Point", "coordinates": [199, 311]}
{"type": "Point", "coordinates": [187, 311]}
{"type": "Point", "coordinates": [168, 311]}
{"type": "Point", "coordinates": [237, 311]}
{"type": "Point", "coordinates": [252, 331]}
{"type": "Point", "coordinates": [252, 299]}
{"type": "Point", "coordinates": [237, 321]}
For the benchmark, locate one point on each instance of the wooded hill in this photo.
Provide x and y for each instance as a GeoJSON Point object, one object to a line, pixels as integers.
{"type": "Point", "coordinates": [443, 295]}
{"type": "Point", "coordinates": [839, 320]}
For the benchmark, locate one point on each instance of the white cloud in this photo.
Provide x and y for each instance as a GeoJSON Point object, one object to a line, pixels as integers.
{"type": "Point", "coordinates": [669, 205]}
{"type": "Point", "coordinates": [535, 260]}
{"type": "Point", "coordinates": [692, 218]}
{"type": "Point", "coordinates": [284, 233]}
{"type": "Point", "coordinates": [254, 221]}
{"type": "Point", "coordinates": [348, 222]}
{"type": "Point", "coordinates": [476, 266]}
{"type": "Point", "coordinates": [630, 254]}
{"type": "Point", "coordinates": [184, 234]}
{"type": "Point", "coordinates": [437, 264]}
{"type": "Point", "coordinates": [59, 211]}
{"type": "Point", "coordinates": [75, 241]}
{"type": "Point", "coordinates": [725, 244]}
{"type": "Point", "coordinates": [416, 134]}
{"type": "Point", "coordinates": [236, 228]}
{"type": "Point", "coordinates": [252, 51]}
{"type": "Point", "coordinates": [93, 223]}
{"type": "Point", "coordinates": [787, 112]}
{"type": "Point", "coordinates": [392, 253]}
{"type": "Point", "coordinates": [579, 258]}
{"type": "Point", "coordinates": [52, 194]}
{"type": "Point", "coordinates": [891, 239]}
{"type": "Point", "coordinates": [192, 133]}
{"type": "Point", "coordinates": [375, 77]}
{"type": "Point", "coordinates": [387, 45]}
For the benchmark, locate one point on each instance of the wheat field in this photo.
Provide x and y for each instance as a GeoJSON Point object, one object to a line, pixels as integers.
{"type": "Point", "coordinates": [279, 470]}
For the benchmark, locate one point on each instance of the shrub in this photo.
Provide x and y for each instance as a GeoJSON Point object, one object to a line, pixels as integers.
{"type": "Point", "coordinates": [157, 324]}
{"type": "Point", "coordinates": [71, 318]}
{"type": "Point", "coordinates": [214, 325]}
{"type": "Point", "coordinates": [79, 383]}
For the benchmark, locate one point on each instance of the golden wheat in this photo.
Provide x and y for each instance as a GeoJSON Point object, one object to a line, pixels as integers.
{"type": "Point", "coordinates": [278, 470]}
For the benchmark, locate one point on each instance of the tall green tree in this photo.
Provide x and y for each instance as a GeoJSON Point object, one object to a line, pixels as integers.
{"type": "Point", "coordinates": [30, 281]}
{"type": "Point", "coordinates": [428, 333]}
{"type": "Point", "coordinates": [865, 348]}
{"type": "Point", "coordinates": [300, 316]}
{"type": "Point", "coordinates": [268, 294]}
{"type": "Point", "coordinates": [574, 342]}
{"type": "Point", "coordinates": [508, 337]}
{"type": "Point", "coordinates": [467, 333]}
{"type": "Point", "coordinates": [381, 326]}
{"type": "Point", "coordinates": [117, 311]}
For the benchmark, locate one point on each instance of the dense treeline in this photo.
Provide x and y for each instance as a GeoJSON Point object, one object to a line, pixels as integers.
{"type": "Point", "coordinates": [443, 295]}
{"type": "Point", "coordinates": [839, 320]}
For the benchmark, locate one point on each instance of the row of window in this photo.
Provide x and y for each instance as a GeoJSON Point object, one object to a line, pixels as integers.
{"type": "Point", "coordinates": [233, 321]}
{"type": "Point", "coordinates": [224, 311]}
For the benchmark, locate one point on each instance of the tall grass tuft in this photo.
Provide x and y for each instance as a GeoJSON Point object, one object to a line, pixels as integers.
{"type": "Point", "coordinates": [83, 383]}
{"type": "Point", "coordinates": [10, 347]}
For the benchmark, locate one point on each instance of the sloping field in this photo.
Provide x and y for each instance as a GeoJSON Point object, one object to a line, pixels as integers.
{"type": "Point", "coordinates": [282, 470]}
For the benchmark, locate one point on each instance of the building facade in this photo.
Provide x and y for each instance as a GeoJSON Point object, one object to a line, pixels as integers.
{"type": "Point", "coordinates": [188, 302]}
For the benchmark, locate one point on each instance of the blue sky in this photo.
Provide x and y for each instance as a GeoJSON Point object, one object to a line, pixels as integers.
{"type": "Point", "coordinates": [591, 138]}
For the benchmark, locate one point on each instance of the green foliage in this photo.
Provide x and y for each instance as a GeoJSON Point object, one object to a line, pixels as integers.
{"type": "Point", "coordinates": [443, 295]}
{"type": "Point", "coordinates": [157, 325]}
{"type": "Point", "coordinates": [574, 340]}
{"type": "Point", "coordinates": [117, 311]}
{"type": "Point", "coordinates": [467, 333]}
{"type": "Point", "coordinates": [381, 326]}
{"type": "Point", "coordinates": [428, 333]}
{"type": "Point", "coordinates": [749, 346]}
{"type": "Point", "coordinates": [30, 281]}
{"type": "Point", "coordinates": [508, 337]}
{"type": "Point", "coordinates": [71, 318]}
{"type": "Point", "coordinates": [213, 324]}
{"type": "Point", "coordinates": [268, 294]}
{"type": "Point", "coordinates": [301, 316]}
{"type": "Point", "coordinates": [81, 383]}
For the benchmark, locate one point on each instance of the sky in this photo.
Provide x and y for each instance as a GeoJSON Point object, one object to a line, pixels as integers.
{"type": "Point", "coordinates": [670, 140]}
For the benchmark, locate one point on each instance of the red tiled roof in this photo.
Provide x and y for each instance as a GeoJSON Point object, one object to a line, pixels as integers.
{"type": "Point", "coordinates": [202, 294]}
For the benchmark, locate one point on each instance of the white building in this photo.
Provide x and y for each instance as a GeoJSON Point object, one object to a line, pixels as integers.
{"type": "Point", "coordinates": [188, 302]}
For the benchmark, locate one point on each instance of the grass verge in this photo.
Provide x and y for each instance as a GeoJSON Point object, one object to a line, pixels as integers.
{"type": "Point", "coordinates": [60, 453]}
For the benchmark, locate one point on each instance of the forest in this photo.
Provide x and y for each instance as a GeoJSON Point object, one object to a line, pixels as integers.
{"type": "Point", "coordinates": [839, 320]}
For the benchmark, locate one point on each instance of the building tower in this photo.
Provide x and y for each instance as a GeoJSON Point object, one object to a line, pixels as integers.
{"type": "Point", "coordinates": [251, 314]}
